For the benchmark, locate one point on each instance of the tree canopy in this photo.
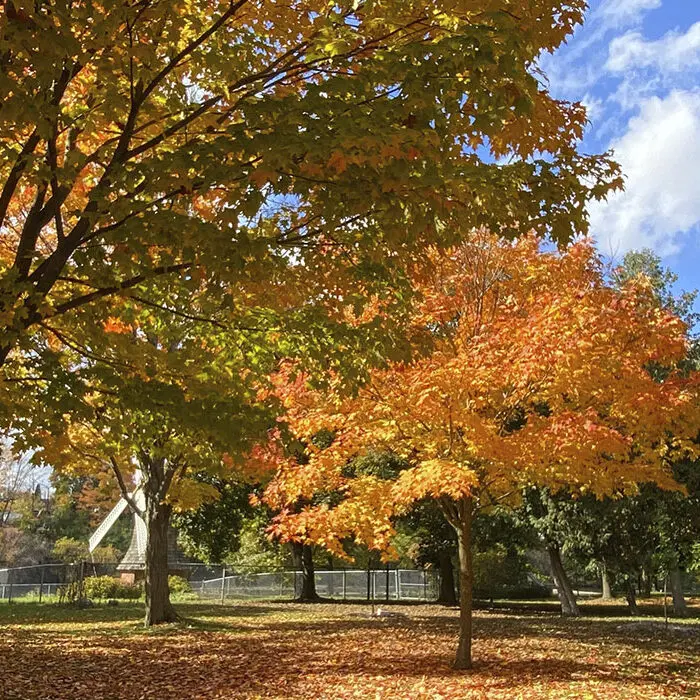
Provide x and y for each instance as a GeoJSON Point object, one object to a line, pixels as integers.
{"type": "Point", "coordinates": [534, 371]}
{"type": "Point", "coordinates": [151, 144]}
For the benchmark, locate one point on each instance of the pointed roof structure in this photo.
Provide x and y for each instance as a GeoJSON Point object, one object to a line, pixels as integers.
{"type": "Point", "coordinates": [134, 561]}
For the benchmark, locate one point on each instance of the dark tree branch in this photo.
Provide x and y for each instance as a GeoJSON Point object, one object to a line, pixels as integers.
{"type": "Point", "coordinates": [450, 510]}
{"type": "Point", "coordinates": [55, 189]}
{"type": "Point", "coordinates": [118, 287]}
{"type": "Point", "coordinates": [38, 217]}
{"type": "Point", "coordinates": [122, 487]}
{"type": "Point", "coordinates": [190, 48]}
{"type": "Point", "coordinates": [30, 234]}
{"type": "Point", "coordinates": [169, 474]}
{"type": "Point", "coordinates": [15, 174]}
{"type": "Point", "coordinates": [176, 312]}
{"type": "Point", "coordinates": [81, 349]}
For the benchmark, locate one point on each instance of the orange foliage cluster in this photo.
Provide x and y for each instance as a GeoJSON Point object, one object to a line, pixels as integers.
{"type": "Point", "coordinates": [529, 369]}
{"type": "Point", "coordinates": [98, 496]}
{"type": "Point", "coordinates": [115, 325]}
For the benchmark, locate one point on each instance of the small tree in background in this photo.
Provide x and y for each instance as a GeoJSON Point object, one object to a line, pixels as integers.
{"type": "Point", "coordinates": [70, 551]}
{"type": "Point", "coordinates": [213, 531]}
{"type": "Point", "coordinates": [17, 478]}
{"type": "Point", "coordinates": [436, 545]}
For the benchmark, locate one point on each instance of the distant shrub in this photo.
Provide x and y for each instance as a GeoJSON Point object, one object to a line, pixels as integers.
{"type": "Point", "coordinates": [100, 586]}
{"type": "Point", "coordinates": [103, 587]}
{"type": "Point", "coordinates": [179, 585]}
{"type": "Point", "coordinates": [70, 550]}
{"type": "Point", "coordinates": [105, 555]}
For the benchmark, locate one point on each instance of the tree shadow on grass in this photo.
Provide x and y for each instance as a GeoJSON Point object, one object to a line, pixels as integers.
{"type": "Point", "coordinates": [288, 658]}
{"type": "Point", "coordinates": [125, 615]}
{"type": "Point", "coordinates": [646, 609]}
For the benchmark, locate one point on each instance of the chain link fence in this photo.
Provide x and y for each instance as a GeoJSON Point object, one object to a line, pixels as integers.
{"type": "Point", "coordinates": [60, 582]}
{"type": "Point", "coordinates": [343, 584]}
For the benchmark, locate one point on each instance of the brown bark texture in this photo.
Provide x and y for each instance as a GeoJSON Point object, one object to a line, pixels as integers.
{"type": "Point", "coordinates": [569, 606]}
{"type": "Point", "coordinates": [675, 577]}
{"type": "Point", "coordinates": [305, 584]}
{"type": "Point", "coordinates": [159, 609]}
{"type": "Point", "coordinates": [605, 580]}
{"type": "Point", "coordinates": [463, 659]}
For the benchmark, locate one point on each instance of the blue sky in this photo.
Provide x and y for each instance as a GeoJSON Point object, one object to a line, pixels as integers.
{"type": "Point", "coordinates": [636, 66]}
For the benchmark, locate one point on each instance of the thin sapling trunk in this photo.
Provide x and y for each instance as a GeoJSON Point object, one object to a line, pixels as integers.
{"type": "Point", "coordinates": [463, 659]}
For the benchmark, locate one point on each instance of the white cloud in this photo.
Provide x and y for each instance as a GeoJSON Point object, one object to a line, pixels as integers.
{"type": "Point", "coordinates": [617, 13]}
{"type": "Point", "coordinates": [576, 67]}
{"type": "Point", "coordinates": [660, 158]}
{"type": "Point", "coordinates": [672, 53]}
{"type": "Point", "coordinates": [594, 106]}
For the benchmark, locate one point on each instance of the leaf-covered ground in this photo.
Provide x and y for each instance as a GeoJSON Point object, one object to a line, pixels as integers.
{"type": "Point", "coordinates": [285, 650]}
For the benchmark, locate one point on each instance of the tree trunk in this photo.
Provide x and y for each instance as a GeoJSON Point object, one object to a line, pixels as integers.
{"type": "Point", "coordinates": [569, 606]}
{"type": "Point", "coordinates": [296, 557]}
{"type": "Point", "coordinates": [631, 597]}
{"type": "Point", "coordinates": [447, 580]}
{"type": "Point", "coordinates": [605, 579]}
{"type": "Point", "coordinates": [463, 660]}
{"type": "Point", "coordinates": [680, 609]}
{"type": "Point", "coordinates": [644, 582]}
{"type": "Point", "coordinates": [158, 607]}
{"type": "Point", "coordinates": [303, 560]}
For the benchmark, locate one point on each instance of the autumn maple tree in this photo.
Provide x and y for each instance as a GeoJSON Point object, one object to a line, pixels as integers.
{"type": "Point", "coordinates": [529, 370]}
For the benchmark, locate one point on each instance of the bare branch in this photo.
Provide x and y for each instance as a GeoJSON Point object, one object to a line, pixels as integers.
{"type": "Point", "coordinates": [81, 349]}
{"type": "Point", "coordinates": [177, 312]}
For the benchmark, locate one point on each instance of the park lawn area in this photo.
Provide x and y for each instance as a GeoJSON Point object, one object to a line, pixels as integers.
{"type": "Point", "coordinates": [288, 650]}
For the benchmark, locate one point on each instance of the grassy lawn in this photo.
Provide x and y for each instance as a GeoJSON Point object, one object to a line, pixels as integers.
{"type": "Point", "coordinates": [286, 650]}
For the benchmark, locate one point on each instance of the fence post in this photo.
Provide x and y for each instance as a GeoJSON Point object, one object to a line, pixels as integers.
{"type": "Point", "coordinates": [223, 584]}
{"type": "Point", "coordinates": [41, 584]}
{"type": "Point", "coordinates": [331, 582]}
{"type": "Point", "coordinates": [369, 580]}
{"type": "Point", "coordinates": [345, 582]}
{"type": "Point", "coordinates": [397, 583]}
{"type": "Point", "coordinates": [425, 585]}
{"type": "Point", "coordinates": [9, 597]}
{"type": "Point", "coordinates": [387, 580]}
